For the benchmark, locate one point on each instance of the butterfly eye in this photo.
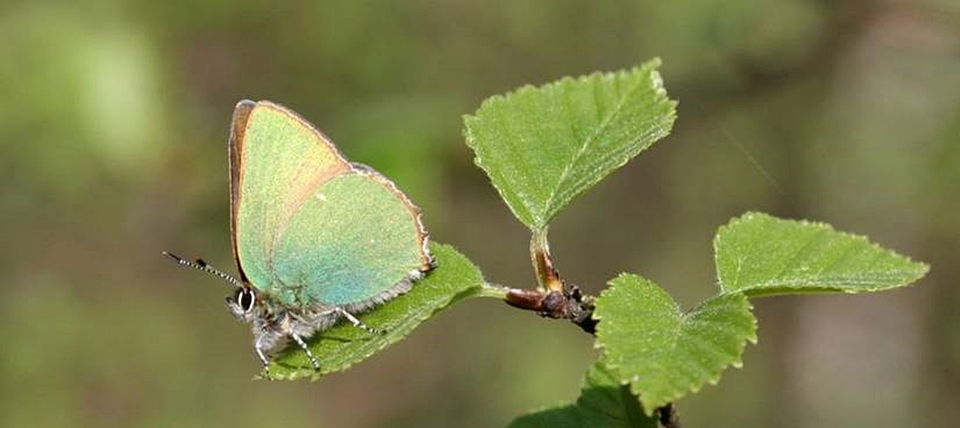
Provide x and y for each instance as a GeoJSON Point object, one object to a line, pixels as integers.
{"type": "Point", "coordinates": [245, 299]}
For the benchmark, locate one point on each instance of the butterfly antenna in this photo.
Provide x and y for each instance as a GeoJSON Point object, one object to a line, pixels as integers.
{"type": "Point", "coordinates": [202, 265]}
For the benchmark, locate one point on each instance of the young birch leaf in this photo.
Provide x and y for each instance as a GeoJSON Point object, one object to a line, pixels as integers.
{"type": "Point", "coordinates": [663, 352]}
{"type": "Point", "coordinates": [542, 146]}
{"type": "Point", "coordinates": [604, 403]}
{"type": "Point", "coordinates": [760, 255]}
{"type": "Point", "coordinates": [344, 345]}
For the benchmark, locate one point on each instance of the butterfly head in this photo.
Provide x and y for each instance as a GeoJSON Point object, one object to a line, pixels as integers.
{"type": "Point", "coordinates": [245, 305]}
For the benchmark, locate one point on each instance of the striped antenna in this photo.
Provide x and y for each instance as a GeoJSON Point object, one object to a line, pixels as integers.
{"type": "Point", "coordinates": [202, 265]}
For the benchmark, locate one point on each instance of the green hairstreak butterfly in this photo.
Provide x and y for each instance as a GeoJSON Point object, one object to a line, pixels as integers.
{"type": "Point", "coordinates": [316, 238]}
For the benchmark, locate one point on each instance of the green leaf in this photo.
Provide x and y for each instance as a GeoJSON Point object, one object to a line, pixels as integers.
{"type": "Point", "coordinates": [344, 345]}
{"type": "Point", "coordinates": [603, 403]}
{"type": "Point", "coordinates": [543, 146]}
{"type": "Point", "coordinates": [661, 351]}
{"type": "Point", "coordinates": [760, 255]}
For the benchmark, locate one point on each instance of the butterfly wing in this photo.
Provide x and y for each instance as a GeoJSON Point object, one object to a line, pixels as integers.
{"type": "Point", "coordinates": [356, 238]}
{"type": "Point", "coordinates": [276, 160]}
{"type": "Point", "coordinates": [291, 243]}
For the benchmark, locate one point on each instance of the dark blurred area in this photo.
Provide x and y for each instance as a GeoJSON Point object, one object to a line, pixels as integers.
{"type": "Point", "coordinates": [113, 148]}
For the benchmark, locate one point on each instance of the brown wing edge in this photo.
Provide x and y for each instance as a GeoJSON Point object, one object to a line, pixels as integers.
{"type": "Point", "coordinates": [238, 130]}
{"type": "Point", "coordinates": [427, 261]}
{"type": "Point", "coordinates": [309, 125]}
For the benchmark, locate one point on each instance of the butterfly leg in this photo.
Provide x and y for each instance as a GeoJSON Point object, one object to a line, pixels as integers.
{"type": "Point", "coordinates": [313, 360]}
{"type": "Point", "coordinates": [356, 322]}
{"type": "Point", "coordinates": [263, 357]}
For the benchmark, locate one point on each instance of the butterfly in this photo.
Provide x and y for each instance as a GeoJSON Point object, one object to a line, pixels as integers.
{"type": "Point", "coordinates": [316, 238]}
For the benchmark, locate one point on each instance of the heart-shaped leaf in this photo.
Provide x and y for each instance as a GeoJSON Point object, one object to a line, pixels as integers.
{"type": "Point", "coordinates": [662, 352]}
{"type": "Point", "coordinates": [757, 254]}
{"type": "Point", "coordinates": [543, 146]}
{"type": "Point", "coordinates": [344, 345]}
{"type": "Point", "coordinates": [604, 403]}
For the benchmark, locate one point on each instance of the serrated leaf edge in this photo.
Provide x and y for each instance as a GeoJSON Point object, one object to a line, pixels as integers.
{"type": "Point", "coordinates": [649, 409]}
{"type": "Point", "coordinates": [770, 288]}
{"type": "Point", "coordinates": [659, 90]}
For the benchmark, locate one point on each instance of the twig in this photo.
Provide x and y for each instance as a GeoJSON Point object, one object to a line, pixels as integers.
{"type": "Point", "coordinates": [569, 304]}
{"type": "Point", "coordinates": [555, 298]}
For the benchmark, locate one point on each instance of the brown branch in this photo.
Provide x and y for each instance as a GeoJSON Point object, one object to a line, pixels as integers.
{"type": "Point", "coordinates": [569, 304]}
{"type": "Point", "coordinates": [557, 299]}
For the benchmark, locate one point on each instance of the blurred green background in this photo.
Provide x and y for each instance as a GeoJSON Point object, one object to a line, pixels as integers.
{"type": "Point", "coordinates": [112, 149]}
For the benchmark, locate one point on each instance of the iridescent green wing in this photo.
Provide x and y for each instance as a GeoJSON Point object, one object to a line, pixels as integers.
{"type": "Point", "coordinates": [308, 226]}
{"type": "Point", "coordinates": [356, 238]}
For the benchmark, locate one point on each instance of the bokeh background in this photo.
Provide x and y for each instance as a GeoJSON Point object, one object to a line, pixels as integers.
{"type": "Point", "coordinates": [112, 148]}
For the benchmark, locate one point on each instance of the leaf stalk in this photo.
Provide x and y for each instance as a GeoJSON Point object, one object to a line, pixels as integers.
{"type": "Point", "coordinates": [547, 275]}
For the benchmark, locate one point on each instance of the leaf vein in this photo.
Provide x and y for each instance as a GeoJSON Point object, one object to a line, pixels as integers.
{"type": "Point", "coordinates": [588, 142]}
